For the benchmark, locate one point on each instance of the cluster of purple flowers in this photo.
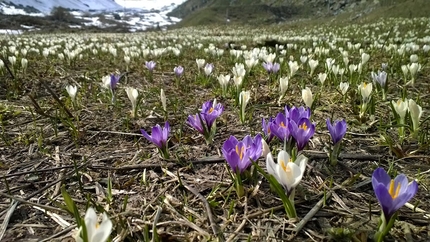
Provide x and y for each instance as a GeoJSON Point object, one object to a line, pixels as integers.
{"type": "Point", "coordinates": [292, 125]}
{"type": "Point", "coordinates": [203, 121]}
{"type": "Point", "coordinates": [271, 67]}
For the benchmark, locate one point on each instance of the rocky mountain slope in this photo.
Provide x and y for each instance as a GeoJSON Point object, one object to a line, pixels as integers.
{"type": "Point", "coordinates": [195, 12]}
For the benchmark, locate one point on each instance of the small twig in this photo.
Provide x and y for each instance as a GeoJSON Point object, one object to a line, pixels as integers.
{"type": "Point", "coordinates": [154, 224]}
{"type": "Point", "coordinates": [7, 67]}
{"type": "Point", "coordinates": [37, 171]}
{"type": "Point", "coordinates": [66, 230]}
{"type": "Point", "coordinates": [240, 227]}
{"type": "Point", "coordinates": [17, 199]}
{"type": "Point", "coordinates": [54, 95]}
{"type": "Point", "coordinates": [7, 218]}
{"type": "Point", "coordinates": [37, 108]}
{"type": "Point", "coordinates": [217, 159]}
{"type": "Point", "coordinates": [213, 225]}
{"type": "Point", "coordinates": [310, 214]}
{"type": "Point", "coordinates": [186, 221]}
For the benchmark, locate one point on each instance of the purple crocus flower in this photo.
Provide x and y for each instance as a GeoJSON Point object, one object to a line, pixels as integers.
{"type": "Point", "coordinates": [279, 127]}
{"type": "Point", "coordinates": [337, 130]}
{"type": "Point", "coordinates": [239, 154]}
{"type": "Point", "coordinates": [210, 112]}
{"type": "Point", "coordinates": [380, 78]}
{"type": "Point", "coordinates": [392, 194]}
{"type": "Point", "coordinates": [194, 121]}
{"type": "Point", "coordinates": [275, 67]}
{"type": "Point", "coordinates": [114, 79]}
{"type": "Point", "coordinates": [302, 132]}
{"type": "Point", "coordinates": [266, 129]}
{"type": "Point", "coordinates": [267, 66]}
{"type": "Point", "coordinates": [150, 65]}
{"type": "Point", "coordinates": [178, 70]}
{"type": "Point", "coordinates": [158, 136]}
{"type": "Point", "coordinates": [296, 114]}
{"type": "Point", "coordinates": [271, 67]}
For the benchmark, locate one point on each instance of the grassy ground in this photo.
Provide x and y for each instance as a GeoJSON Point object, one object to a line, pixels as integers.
{"type": "Point", "coordinates": [93, 150]}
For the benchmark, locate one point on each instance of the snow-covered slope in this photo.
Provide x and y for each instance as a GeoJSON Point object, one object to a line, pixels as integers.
{"type": "Point", "coordinates": [137, 14]}
{"type": "Point", "coordinates": [150, 4]}
{"type": "Point", "coordinates": [45, 6]}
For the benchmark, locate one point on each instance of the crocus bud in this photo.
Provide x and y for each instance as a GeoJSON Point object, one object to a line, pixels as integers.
{"type": "Point", "coordinates": [283, 84]}
{"type": "Point", "coordinates": [132, 94]}
{"type": "Point", "coordinates": [208, 69]}
{"type": "Point", "coordinates": [265, 148]}
{"type": "Point", "coordinates": [416, 111]}
{"type": "Point", "coordinates": [178, 70]}
{"type": "Point", "coordinates": [72, 90]}
{"type": "Point", "coordinates": [307, 97]}
{"type": "Point", "coordinates": [163, 100]}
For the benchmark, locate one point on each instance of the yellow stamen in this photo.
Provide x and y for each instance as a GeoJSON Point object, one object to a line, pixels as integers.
{"type": "Point", "coordinates": [284, 167]}
{"type": "Point", "coordinates": [394, 190]}
{"type": "Point", "coordinates": [399, 102]}
{"type": "Point", "coordinates": [282, 124]}
{"type": "Point", "coordinates": [211, 110]}
{"type": "Point", "coordinates": [364, 85]}
{"type": "Point", "coordinates": [240, 153]}
{"type": "Point", "coordinates": [268, 130]}
{"type": "Point", "coordinates": [97, 225]}
{"type": "Point", "coordinates": [303, 126]}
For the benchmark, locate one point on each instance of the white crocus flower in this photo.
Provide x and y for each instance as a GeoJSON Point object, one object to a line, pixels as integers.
{"type": "Point", "coordinates": [416, 111]}
{"type": "Point", "coordinates": [401, 108]}
{"type": "Point", "coordinates": [237, 81]}
{"type": "Point", "coordinates": [132, 94]}
{"type": "Point", "coordinates": [307, 97]}
{"type": "Point", "coordinates": [24, 63]}
{"type": "Point", "coordinates": [72, 90]}
{"type": "Point", "coordinates": [364, 58]}
{"type": "Point", "coordinates": [329, 63]}
{"type": "Point", "coordinates": [239, 70]}
{"type": "Point", "coordinates": [293, 67]}
{"type": "Point", "coordinates": [322, 77]}
{"type": "Point", "coordinates": [127, 59]}
{"type": "Point", "coordinates": [244, 98]}
{"type": "Point", "coordinates": [12, 60]}
{"type": "Point", "coordinates": [343, 86]}
{"type": "Point", "coordinates": [365, 90]}
{"type": "Point", "coordinates": [413, 68]}
{"type": "Point", "coordinates": [223, 81]}
{"type": "Point", "coordinates": [106, 82]}
{"type": "Point", "coordinates": [335, 69]}
{"type": "Point", "coordinates": [405, 70]}
{"type": "Point", "coordinates": [303, 59]}
{"type": "Point", "coordinates": [312, 64]}
{"type": "Point", "coordinates": [265, 148]}
{"type": "Point", "coordinates": [200, 63]}
{"type": "Point", "coordinates": [163, 100]}
{"type": "Point", "coordinates": [352, 68]}
{"type": "Point", "coordinates": [250, 63]}
{"type": "Point", "coordinates": [95, 232]}
{"type": "Point", "coordinates": [414, 58]}
{"type": "Point", "coordinates": [287, 173]}
{"type": "Point", "coordinates": [283, 84]}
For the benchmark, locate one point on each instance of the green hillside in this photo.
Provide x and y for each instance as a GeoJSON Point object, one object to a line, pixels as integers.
{"type": "Point", "coordinates": [203, 12]}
